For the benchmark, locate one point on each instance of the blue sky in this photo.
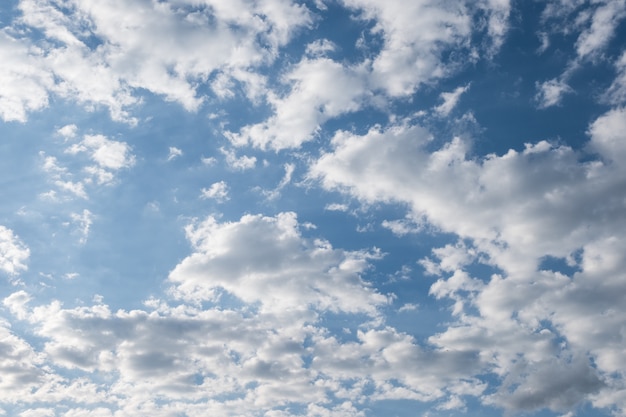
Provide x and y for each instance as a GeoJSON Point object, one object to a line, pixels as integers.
{"type": "Point", "coordinates": [325, 208]}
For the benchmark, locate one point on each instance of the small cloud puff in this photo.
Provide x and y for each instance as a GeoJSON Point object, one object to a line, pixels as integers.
{"type": "Point", "coordinates": [240, 163]}
{"type": "Point", "coordinates": [450, 100]}
{"type": "Point", "coordinates": [217, 191]}
{"type": "Point", "coordinates": [108, 154]}
{"type": "Point", "coordinates": [174, 153]}
{"type": "Point", "coordinates": [551, 92]}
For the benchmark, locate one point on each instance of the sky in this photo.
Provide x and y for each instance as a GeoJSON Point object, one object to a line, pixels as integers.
{"type": "Point", "coordinates": [312, 208]}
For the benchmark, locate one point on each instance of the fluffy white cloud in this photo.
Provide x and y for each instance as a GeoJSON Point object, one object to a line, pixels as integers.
{"type": "Point", "coordinates": [217, 191]}
{"type": "Point", "coordinates": [108, 154]}
{"type": "Point", "coordinates": [13, 252]}
{"type": "Point", "coordinates": [101, 54]}
{"type": "Point", "coordinates": [321, 89]}
{"type": "Point", "coordinates": [223, 358]}
{"type": "Point", "coordinates": [265, 260]}
{"type": "Point", "coordinates": [24, 82]}
{"type": "Point", "coordinates": [512, 211]}
{"type": "Point", "coordinates": [415, 34]}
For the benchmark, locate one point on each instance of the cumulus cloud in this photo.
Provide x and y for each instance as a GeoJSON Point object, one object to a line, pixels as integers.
{"type": "Point", "coordinates": [217, 191]}
{"type": "Point", "coordinates": [101, 54]}
{"type": "Point", "coordinates": [106, 153]}
{"type": "Point", "coordinates": [511, 211]}
{"type": "Point", "coordinates": [280, 355]}
{"type": "Point", "coordinates": [24, 83]}
{"type": "Point", "coordinates": [109, 155]}
{"type": "Point", "coordinates": [321, 89]}
{"type": "Point", "coordinates": [239, 163]}
{"type": "Point", "coordinates": [415, 35]}
{"type": "Point", "coordinates": [402, 227]}
{"type": "Point", "coordinates": [68, 131]}
{"type": "Point", "coordinates": [257, 259]}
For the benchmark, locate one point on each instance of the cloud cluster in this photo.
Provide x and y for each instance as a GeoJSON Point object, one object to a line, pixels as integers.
{"type": "Point", "coordinates": [260, 348]}
{"type": "Point", "coordinates": [264, 316]}
{"type": "Point", "coordinates": [596, 23]}
{"type": "Point", "coordinates": [415, 37]}
{"type": "Point", "coordinates": [107, 157]}
{"type": "Point", "coordinates": [105, 54]}
{"type": "Point", "coordinates": [511, 212]}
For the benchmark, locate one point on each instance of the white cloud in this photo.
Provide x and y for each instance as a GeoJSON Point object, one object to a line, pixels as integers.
{"type": "Point", "coordinates": [275, 193]}
{"type": "Point", "coordinates": [321, 89]}
{"type": "Point", "coordinates": [551, 92]}
{"type": "Point", "coordinates": [68, 131]}
{"type": "Point", "coordinates": [84, 222]}
{"type": "Point", "coordinates": [604, 21]}
{"type": "Point", "coordinates": [402, 227]}
{"type": "Point", "coordinates": [408, 307]}
{"type": "Point", "coordinates": [320, 47]}
{"type": "Point", "coordinates": [13, 252]}
{"type": "Point", "coordinates": [511, 211]}
{"type": "Point", "coordinates": [165, 48]}
{"type": "Point", "coordinates": [164, 353]}
{"type": "Point", "coordinates": [498, 12]}
{"type": "Point", "coordinates": [336, 207]}
{"type": "Point", "coordinates": [217, 191]}
{"type": "Point", "coordinates": [596, 23]}
{"type": "Point", "coordinates": [240, 163]}
{"type": "Point", "coordinates": [174, 152]}
{"type": "Point", "coordinates": [75, 188]}
{"type": "Point", "coordinates": [450, 100]}
{"type": "Point", "coordinates": [415, 35]}
{"type": "Point", "coordinates": [108, 154]}
{"type": "Point", "coordinates": [616, 94]}
{"type": "Point", "coordinates": [24, 83]}
{"type": "Point", "coordinates": [257, 259]}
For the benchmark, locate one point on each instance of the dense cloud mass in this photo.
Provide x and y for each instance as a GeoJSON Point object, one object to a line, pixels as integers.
{"type": "Point", "coordinates": [280, 208]}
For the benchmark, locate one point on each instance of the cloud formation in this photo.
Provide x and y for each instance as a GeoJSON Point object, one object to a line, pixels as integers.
{"type": "Point", "coordinates": [515, 210]}
{"type": "Point", "coordinates": [275, 211]}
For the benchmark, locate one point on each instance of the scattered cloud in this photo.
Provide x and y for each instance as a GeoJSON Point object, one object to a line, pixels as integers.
{"type": "Point", "coordinates": [174, 153]}
{"type": "Point", "coordinates": [217, 191]}
{"type": "Point", "coordinates": [508, 254]}
{"type": "Point", "coordinates": [83, 221]}
{"type": "Point", "coordinates": [512, 219]}
{"type": "Point", "coordinates": [336, 207]}
{"type": "Point", "coordinates": [256, 258]}
{"type": "Point", "coordinates": [450, 100]}
{"type": "Point", "coordinates": [239, 163]}
{"type": "Point", "coordinates": [13, 253]}
{"type": "Point", "coordinates": [551, 92]}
